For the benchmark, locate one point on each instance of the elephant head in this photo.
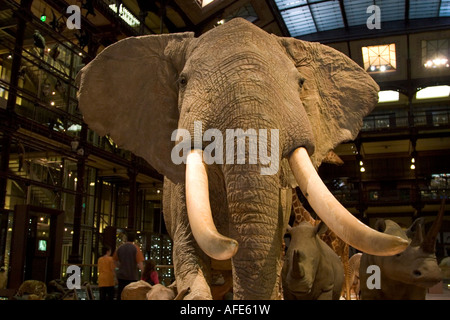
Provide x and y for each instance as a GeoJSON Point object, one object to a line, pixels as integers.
{"type": "Point", "coordinates": [152, 94]}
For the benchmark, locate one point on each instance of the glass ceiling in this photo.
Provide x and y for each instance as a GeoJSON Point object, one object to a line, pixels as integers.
{"type": "Point", "coordinates": [309, 16]}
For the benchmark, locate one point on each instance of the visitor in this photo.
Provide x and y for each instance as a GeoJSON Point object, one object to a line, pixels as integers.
{"type": "Point", "coordinates": [128, 259]}
{"type": "Point", "coordinates": [106, 274]}
{"type": "Point", "coordinates": [149, 274]}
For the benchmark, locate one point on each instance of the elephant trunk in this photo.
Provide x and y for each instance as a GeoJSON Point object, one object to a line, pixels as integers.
{"type": "Point", "coordinates": [335, 216]}
{"type": "Point", "coordinates": [256, 224]}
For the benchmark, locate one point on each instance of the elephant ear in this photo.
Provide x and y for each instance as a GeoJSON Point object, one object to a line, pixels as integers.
{"type": "Point", "coordinates": [336, 93]}
{"type": "Point", "coordinates": [130, 92]}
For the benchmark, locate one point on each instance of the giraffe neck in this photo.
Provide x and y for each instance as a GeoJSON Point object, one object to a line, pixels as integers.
{"type": "Point", "coordinates": [301, 214]}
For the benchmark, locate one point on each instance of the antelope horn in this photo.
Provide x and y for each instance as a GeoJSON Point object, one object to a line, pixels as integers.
{"type": "Point", "coordinates": [335, 216]}
{"type": "Point", "coordinates": [415, 232]}
{"type": "Point", "coordinates": [429, 244]}
{"type": "Point", "coordinates": [202, 225]}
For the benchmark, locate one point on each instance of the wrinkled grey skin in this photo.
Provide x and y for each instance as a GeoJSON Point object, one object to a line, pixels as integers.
{"type": "Point", "coordinates": [139, 90]}
{"type": "Point", "coordinates": [311, 270]}
{"type": "Point", "coordinates": [405, 276]}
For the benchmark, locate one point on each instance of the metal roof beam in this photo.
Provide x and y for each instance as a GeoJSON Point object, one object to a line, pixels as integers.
{"type": "Point", "coordinates": [344, 14]}
{"type": "Point", "coordinates": [390, 28]}
{"type": "Point", "coordinates": [303, 5]}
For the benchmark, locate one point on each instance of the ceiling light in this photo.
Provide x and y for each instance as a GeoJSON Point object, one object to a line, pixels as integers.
{"type": "Point", "coordinates": [125, 15]}
{"type": "Point", "coordinates": [204, 3]}
{"type": "Point", "coordinates": [433, 92]}
{"type": "Point", "coordinates": [413, 167]}
{"type": "Point", "coordinates": [362, 169]}
{"type": "Point", "coordinates": [388, 96]}
{"type": "Point", "coordinates": [383, 68]}
{"type": "Point", "coordinates": [436, 63]}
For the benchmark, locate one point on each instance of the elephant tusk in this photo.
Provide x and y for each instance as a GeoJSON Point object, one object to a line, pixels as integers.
{"type": "Point", "coordinates": [202, 225]}
{"type": "Point", "coordinates": [336, 217]}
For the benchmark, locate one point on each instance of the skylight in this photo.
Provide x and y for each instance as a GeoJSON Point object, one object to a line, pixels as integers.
{"type": "Point", "coordinates": [327, 16]}
{"type": "Point", "coordinates": [445, 9]}
{"type": "Point", "coordinates": [309, 16]}
{"type": "Point", "coordinates": [391, 10]}
{"type": "Point", "coordinates": [380, 58]}
{"type": "Point", "coordinates": [292, 17]}
{"type": "Point", "coordinates": [419, 9]}
{"type": "Point", "coordinates": [356, 11]}
{"type": "Point", "coordinates": [433, 92]}
{"type": "Point", "coordinates": [388, 96]}
{"type": "Point", "coordinates": [204, 3]}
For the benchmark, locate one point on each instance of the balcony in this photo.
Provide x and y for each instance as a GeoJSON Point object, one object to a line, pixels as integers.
{"type": "Point", "coordinates": [432, 118]}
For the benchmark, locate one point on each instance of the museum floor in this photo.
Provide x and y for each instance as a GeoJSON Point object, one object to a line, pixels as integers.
{"type": "Point", "coordinates": [445, 295]}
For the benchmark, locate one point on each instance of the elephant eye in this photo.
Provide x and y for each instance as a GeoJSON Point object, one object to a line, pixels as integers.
{"type": "Point", "coordinates": [182, 80]}
{"type": "Point", "coordinates": [301, 81]}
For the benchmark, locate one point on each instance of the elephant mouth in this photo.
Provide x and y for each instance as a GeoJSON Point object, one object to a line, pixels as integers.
{"type": "Point", "coordinates": [336, 217]}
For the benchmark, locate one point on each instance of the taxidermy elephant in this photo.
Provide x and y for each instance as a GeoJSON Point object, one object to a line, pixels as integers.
{"type": "Point", "coordinates": [292, 100]}
{"type": "Point", "coordinates": [407, 275]}
{"type": "Point", "coordinates": [311, 270]}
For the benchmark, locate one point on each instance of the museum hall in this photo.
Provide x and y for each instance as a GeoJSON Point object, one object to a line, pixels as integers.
{"type": "Point", "coordinates": [99, 101]}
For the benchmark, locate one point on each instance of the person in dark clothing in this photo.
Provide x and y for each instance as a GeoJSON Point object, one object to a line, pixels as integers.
{"type": "Point", "coordinates": [129, 259]}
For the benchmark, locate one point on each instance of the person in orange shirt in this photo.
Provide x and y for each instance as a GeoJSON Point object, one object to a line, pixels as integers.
{"type": "Point", "coordinates": [128, 258]}
{"type": "Point", "coordinates": [106, 274]}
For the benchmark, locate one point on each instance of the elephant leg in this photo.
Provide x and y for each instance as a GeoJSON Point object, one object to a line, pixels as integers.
{"type": "Point", "coordinates": [190, 263]}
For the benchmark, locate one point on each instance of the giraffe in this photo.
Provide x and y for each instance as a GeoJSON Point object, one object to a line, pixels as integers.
{"type": "Point", "coordinates": [329, 237]}
{"type": "Point", "coordinates": [300, 213]}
